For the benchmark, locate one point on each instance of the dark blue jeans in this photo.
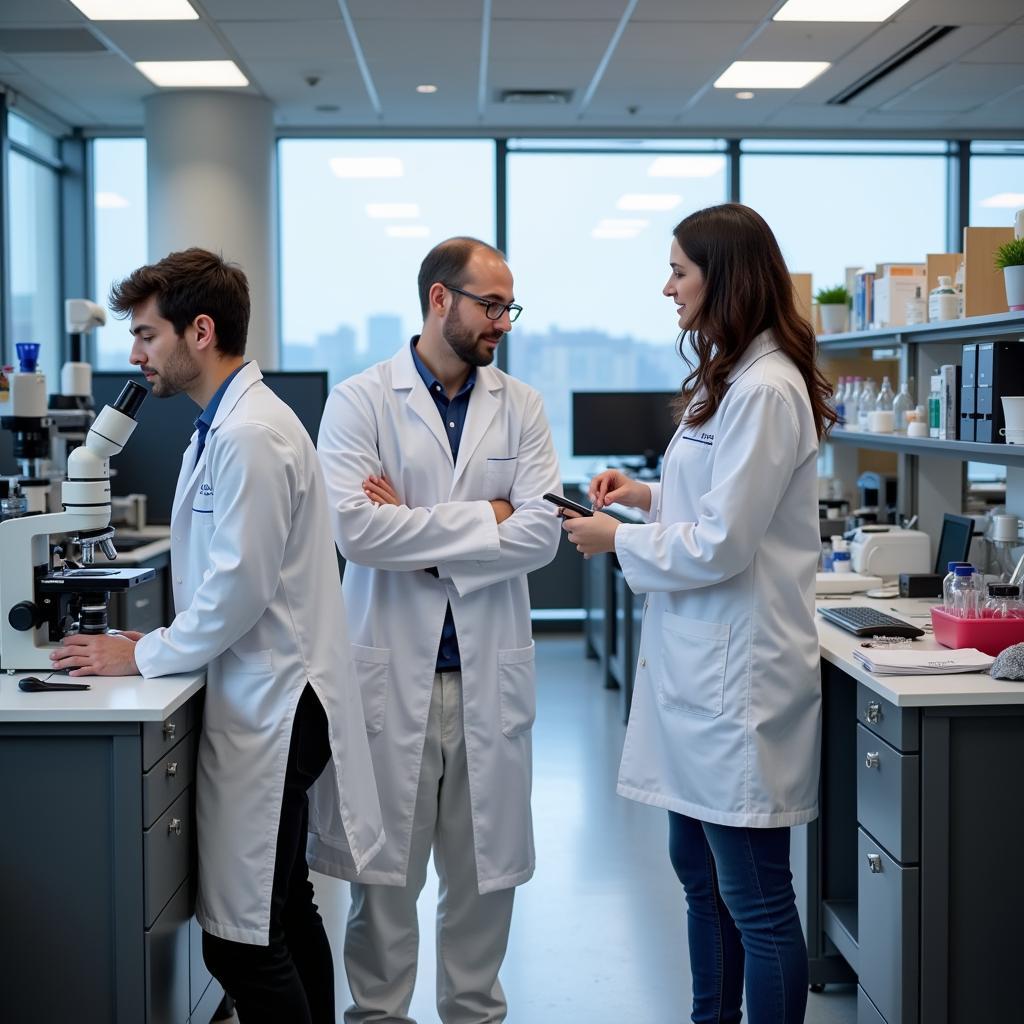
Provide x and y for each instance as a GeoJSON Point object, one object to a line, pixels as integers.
{"type": "Point", "coordinates": [742, 922]}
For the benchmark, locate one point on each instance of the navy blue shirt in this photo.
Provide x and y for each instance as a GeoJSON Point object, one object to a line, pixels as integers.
{"type": "Point", "coordinates": [453, 414]}
{"type": "Point", "coordinates": [206, 417]}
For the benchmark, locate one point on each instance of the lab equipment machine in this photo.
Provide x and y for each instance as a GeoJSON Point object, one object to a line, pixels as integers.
{"type": "Point", "coordinates": [885, 552]}
{"type": "Point", "coordinates": [40, 604]}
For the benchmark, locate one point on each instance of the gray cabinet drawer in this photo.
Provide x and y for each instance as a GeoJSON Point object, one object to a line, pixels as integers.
{"type": "Point", "coordinates": [168, 778]}
{"type": "Point", "coordinates": [167, 961]}
{"type": "Point", "coordinates": [898, 726]}
{"type": "Point", "coordinates": [165, 854]}
{"type": "Point", "coordinates": [159, 737]}
{"type": "Point", "coordinates": [888, 788]}
{"type": "Point", "coordinates": [887, 932]}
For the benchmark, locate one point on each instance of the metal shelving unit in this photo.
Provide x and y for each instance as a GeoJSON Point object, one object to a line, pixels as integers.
{"type": "Point", "coordinates": [997, 327]}
{"type": "Point", "coordinates": [968, 451]}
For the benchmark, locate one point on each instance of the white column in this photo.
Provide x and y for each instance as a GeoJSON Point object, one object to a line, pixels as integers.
{"type": "Point", "coordinates": [210, 170]}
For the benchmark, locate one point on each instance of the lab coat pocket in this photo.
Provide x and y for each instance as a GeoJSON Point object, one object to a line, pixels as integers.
{"type": "Point", "coordinates": [517, 690]}
{"type": "Point", "coordinates": [373, 671]}
{"type": "Point", "coordinates": [499, 477]}
{"type": "Point", "coordinates": [254, 661]}
{"type": "Point", "coordinates": [692, 673]}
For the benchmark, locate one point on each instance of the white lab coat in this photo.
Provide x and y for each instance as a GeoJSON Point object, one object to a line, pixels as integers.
{"type": "Point", "coordinates": [725, 724]}
{"type": "Point", "coordinates": [256, 578]}
{"type": "Point", "coordinates": [384, 420]}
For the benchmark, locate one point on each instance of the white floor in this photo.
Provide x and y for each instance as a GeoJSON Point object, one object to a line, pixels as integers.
{"type": "Point", "coordinates": [598, 935]}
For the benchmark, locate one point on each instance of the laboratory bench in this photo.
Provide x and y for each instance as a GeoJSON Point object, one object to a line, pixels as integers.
{"type": "Point", "coordinates": [97, 861]}
{"type": "Point", "coordinates": [910, 879]}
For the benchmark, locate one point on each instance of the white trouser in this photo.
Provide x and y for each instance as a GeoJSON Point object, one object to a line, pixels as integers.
{"type": "Point", "coordinates": [382, 938]}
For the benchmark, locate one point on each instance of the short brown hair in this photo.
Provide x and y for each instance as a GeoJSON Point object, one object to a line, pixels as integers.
{"type": "Point", "coordinates": [188, 284]}
{"type": "Point", "coordinates": [446, 263]}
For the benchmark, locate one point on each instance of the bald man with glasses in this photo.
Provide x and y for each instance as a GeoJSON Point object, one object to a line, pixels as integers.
{"type": "Point", "coordinates": [435, 465]}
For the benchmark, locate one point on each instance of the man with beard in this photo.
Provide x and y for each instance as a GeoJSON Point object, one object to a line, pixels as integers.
{"type": "Point", "coordinates": [260, 608]}
{"type": "Point", "coordinates": [435, 465]}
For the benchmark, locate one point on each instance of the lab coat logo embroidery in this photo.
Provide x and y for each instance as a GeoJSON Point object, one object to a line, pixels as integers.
{"type": "Point", "coordinates": [206, 490]}
{"type": "Point", "coordinates": [705, 439]}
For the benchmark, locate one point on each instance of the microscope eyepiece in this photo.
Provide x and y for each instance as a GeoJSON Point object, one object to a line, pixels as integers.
{"type": "Point", "coordinates": [131, 398]}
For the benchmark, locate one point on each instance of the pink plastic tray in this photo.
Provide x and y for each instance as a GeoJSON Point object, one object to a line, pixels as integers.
{"type": "Point", "coordinates": [992, 636]}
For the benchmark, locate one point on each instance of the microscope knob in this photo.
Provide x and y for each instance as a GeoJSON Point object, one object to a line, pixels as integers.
{"type": "Point", "coordinates": [24, 616]}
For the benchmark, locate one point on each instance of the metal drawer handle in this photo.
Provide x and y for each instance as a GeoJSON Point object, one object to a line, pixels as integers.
{"type": "Point", "coordinates": [172, 768]}
{"type": "Point", "coordinates": [873, 713]}
{"type": "Point", "coordinates": [872, 759]}
{"type": "Point", "coordinates": [169, 730]}
{"type": "Point", "coordinates": [174, 827]}
{"type": "Point", "coordinates": [875, 863]}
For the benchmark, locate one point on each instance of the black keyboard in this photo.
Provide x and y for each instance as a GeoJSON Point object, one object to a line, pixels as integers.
{"type": "Point", "coordinates": [869, 622]}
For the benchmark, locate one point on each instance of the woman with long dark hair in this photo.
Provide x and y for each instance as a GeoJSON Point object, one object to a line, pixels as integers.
{"type": "Point", "coordinates": [724, 730]}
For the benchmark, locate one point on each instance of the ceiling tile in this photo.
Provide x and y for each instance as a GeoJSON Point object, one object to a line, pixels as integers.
{"type": "Point", "coordinates": [1004, 47]}
{"type": "Point", "coordinates": [270, 10]}
{"type": "Point", "coordinates": [957, 12]}
{"type": "Point", "coordinates": [679, 42]}
{"type": "Point", "coordinates": [175, 40]}
{"type": "Point", "coordinates": [788, 40]}
{"type": "Point", "coordinates": [41, 13]}
{"type": "Point", "coordinates": [309, 43]}
{"type": "Point", "coordinates": [751, 11]}
{"type": "Point", "coordinates": [413, 10]}
{"type": "Point", "coordinates": [960, 87]}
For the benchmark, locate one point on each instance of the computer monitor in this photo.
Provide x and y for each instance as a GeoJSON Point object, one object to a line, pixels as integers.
{"type": "Point", "coordinates": [954, 542]}
{"type": "Point", "coordinates": [623, 423]}
{"type": "Point", "coordinates": [150, 461]}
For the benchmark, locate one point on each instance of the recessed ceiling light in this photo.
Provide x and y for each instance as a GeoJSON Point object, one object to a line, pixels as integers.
{"type": "Point", "coordinates": [407, 230]}
{"type": "Point", "coordinates": [192, 73]}
{"type": "Point", "coordinates": [745, 95]}
{"type": "Point", "coordinates": [136, 10]}
{"type": "Point", "coordinates": [648, 201]}
{"type": "Point", "coordinates": [686, 166]}
{"type": "Point", "coordinates": [770, 74]}
{"type": "Point", "coordinates": [600, 232]}
{"type": "Point", "coordinates": [383, 211]}
{"type": "Point", "coordinates": [426, 88]}
{"type": "Point", "coordinates": [838, 10]}
{"type": "Point", "coordinates": [111, 201]}
{"type": "Point", "coordinates": [366, 166]}
{"type": "Point", "coordinates": [1005, 200]}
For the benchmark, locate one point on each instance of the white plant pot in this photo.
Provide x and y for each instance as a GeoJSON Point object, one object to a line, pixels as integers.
{"type": "Point", "coordinates": [1014, 279]}
{"type": "Point", "coordinates": [833, 317]}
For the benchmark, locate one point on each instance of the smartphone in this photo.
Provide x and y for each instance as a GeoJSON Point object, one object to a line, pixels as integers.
{"type": "Point", "coordinates": [563, 502]}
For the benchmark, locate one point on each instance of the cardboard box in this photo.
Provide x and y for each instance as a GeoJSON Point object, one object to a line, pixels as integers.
{"type": "Point", "coordinates": [984, 288]}
{"type": "Point", "coordinates": [890, 295]}
{"type": "Point", "coordinates": [802, 294]}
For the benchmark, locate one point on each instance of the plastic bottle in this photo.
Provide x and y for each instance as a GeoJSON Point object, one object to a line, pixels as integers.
{"type": "Point", "coordinates": [1003, 600]}
{"type": "Point", "coordinates": [947, 582]}
{"type": "Point", "coordinates": [852, 402]}
{"type": "Point", "coordinates": [963, 594]}
{"type": "Point", "coordinates": [885, 399]}
{"type": "Point", "coordinates": [902, 404]}
{"type": "Point", "coordinates": [958, 287]}
{"type": "Point", "coordinates": [942, 301]}
{"type": "Point", "coordinates": [865, 403]}
{"type": "Point", "coordinates": [916, 309]}
{"type": "Point", "coordinates": [15, 505]}
{"type": "Point", "coordinates": [935, 407]}
{"type": "Point", "coordinates": [840, 555]}
{"type": "Point", "coordinates": [838, 399]}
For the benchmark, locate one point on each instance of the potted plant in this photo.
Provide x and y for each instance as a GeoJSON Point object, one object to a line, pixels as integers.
{"type": "Point", "coordinates": [1010, 260]}
{"type": "Point", "coordinates": [834, 305]}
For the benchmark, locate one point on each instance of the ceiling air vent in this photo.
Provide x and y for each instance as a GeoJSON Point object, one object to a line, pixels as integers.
{"type": "Point", "coordinates": [890, 64]}
{"type": "Point", "coordinates": [49, 40]}
{"type": "Point", "coordinates": [542, 97]}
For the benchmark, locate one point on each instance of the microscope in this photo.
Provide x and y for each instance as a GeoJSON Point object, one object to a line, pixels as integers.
{"type": "Point", "coordinates": [40, 604]}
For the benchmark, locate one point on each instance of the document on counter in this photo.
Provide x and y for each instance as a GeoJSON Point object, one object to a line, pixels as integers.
{"type": "Point", "coordinates": [901, 662]}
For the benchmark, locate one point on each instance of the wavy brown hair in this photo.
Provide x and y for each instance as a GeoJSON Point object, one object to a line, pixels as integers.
{"type": "Point", "coordinates": [747, 290]}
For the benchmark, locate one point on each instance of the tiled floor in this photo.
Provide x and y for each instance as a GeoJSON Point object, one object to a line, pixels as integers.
{"type": "Point", "coordinates": [598, 935]}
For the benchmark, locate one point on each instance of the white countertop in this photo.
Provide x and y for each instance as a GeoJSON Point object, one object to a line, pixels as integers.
{"type": "Point", "coordinates": [111, 699]}
{"type": "Point", "coordinates": [959, 690]}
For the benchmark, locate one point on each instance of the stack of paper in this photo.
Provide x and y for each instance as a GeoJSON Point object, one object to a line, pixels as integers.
{"type": "Point", "coordinates": [901, 662]}
{"type": "Point", "coordinates": [844, 583]}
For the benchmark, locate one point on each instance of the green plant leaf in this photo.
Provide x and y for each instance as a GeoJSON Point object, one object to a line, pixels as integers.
{"type": "Point", "coordinates": [1010, 254]}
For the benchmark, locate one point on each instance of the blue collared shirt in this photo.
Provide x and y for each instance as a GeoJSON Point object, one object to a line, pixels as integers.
{"type": "Point", "coordinates": [453, 414]}
{"type": "Point", "coordinates": [206, 417]}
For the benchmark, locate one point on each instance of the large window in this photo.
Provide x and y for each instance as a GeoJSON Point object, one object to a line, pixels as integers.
{"type": "Point", "coordinates": [589, 236]}
{"type": "Point", "coordinates": [35, 266]}
{"type": "Point", "coordinates": [997, 183]}
{"type": "Point", "coordinates": [356, 220]}
{"type": "Point", "coordinates": [119, 235]}
{"type": "Point", "coordinates": [834, 205]}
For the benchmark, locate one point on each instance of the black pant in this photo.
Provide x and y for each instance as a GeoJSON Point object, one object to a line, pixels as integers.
{"type": "Point", "coordinates": [291, 981]}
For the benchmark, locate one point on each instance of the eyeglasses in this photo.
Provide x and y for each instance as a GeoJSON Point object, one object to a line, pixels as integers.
{"type": "Point", "coordinates": [493, 310]}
